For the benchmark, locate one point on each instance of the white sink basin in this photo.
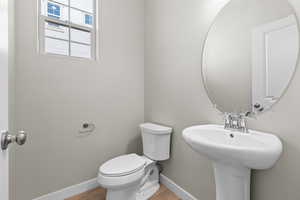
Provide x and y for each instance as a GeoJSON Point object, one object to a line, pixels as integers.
{"type": "Point", "coordinates": [254, 150]}
{"type": "Point", "coordinates": [234, 154]}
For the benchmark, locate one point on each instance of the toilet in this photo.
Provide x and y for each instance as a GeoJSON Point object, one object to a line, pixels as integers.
{"type": "Point", "coordinates": [134, 177]}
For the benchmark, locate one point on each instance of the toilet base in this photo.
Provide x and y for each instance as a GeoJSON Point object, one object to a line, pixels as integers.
{"type": "Point", "coordinates": [128, 194]}
{"type": "Point", "coordinates": [151, 186]}
{"type": "Point", "coordinates": [147, 191]}
{"type": "Point", "coordinates": [140, 191]}
{"type": "Point", "coordinates": [134, 193]}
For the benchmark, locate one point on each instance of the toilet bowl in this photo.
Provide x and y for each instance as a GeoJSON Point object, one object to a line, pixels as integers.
{"type": "Point", "coordinates": [129, 177]}
{"type": "Point", "coordinates": [134, 177]}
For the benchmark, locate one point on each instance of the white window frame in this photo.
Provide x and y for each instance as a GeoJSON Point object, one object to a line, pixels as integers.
{"type": "Point", "coordinates": [43, 19]}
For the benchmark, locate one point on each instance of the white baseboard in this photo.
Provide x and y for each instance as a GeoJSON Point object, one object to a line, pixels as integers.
{"type": "Point", "coordinates": [180, 192]}
{"type": "Point", "coordinates": [91, 184]}
{"type": "Point", "coordinates": [71, 191]}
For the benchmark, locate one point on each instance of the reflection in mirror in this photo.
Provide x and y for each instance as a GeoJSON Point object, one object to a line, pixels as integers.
{"type": "Point", "coordinates": [250, 55]}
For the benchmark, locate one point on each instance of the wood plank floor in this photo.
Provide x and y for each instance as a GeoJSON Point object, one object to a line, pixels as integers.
{"type": "Point", "coordinates": [99, 194]}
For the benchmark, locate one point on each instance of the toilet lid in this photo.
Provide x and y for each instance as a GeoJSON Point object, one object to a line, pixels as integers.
{"type": "Point", "coordinates": [122, 165]}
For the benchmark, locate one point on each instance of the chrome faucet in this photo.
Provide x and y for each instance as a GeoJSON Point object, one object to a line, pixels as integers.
{"type": "Point", "coordinates": [236, 122]}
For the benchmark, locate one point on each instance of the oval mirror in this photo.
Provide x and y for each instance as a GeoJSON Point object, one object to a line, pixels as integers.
{"type": "Point", "coordinates": [250, 55]}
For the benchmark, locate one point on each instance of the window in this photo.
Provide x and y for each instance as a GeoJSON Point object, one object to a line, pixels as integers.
{"type": "Point", "coordinates": [67, 27]}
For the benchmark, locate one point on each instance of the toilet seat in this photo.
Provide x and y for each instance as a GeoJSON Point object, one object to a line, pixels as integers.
{"type": "Point", "coordinates": [122, 172]}
{"type": "Point", "coordinates": [121, 181]}
{"type": "Point", "coordinates": [122, 166]}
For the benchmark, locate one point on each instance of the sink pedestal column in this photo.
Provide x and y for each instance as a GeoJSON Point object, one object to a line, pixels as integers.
{"type": "Point", "coordinates": [232, 182]}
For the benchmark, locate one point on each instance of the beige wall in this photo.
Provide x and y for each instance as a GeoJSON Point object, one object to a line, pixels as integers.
{"type": "Point", "coordinates": [55, 95]}
{"type": "Point", "coordinates": [174, 95]}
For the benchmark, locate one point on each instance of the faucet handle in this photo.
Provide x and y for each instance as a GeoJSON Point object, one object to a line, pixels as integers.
{"type": "Point", "coordinates": [243, 124]}
{"type": "Point", "coordinates": [228, 120]}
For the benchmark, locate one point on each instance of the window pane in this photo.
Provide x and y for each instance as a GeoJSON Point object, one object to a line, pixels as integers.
{"type": "Point", "coordinates": [54, 10]}
{"type": "Point", "coordinates": [88, 19]}
{"type": "Point", "coordinates": [86, 5]}
{"type": "Point", "coordinates": [56, 46]}
{"type": "Point", "coordinates": [80, 36]}
{"type": "Point", "coordinates": [80, 50]}
{"type": "Point", "coordinates": [56, 30]}
{"type": "Point", "coordinates": [81, 18]}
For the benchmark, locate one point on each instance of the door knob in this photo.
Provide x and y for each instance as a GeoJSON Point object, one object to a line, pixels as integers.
{"type": "Point", "coordinates": [7, 138]}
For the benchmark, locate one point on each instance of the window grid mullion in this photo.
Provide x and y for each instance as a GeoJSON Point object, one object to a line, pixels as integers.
{"type": "Point", "coordinates": [72, 25]}
{"type": "Point", "coordinates": [55, 38]}
{"type": "Point", "coordinates": [84, 11]}
{"type": "Point", "coordinates": [82, 43]}
{"type": "Point", "coordinates": [54, 1]}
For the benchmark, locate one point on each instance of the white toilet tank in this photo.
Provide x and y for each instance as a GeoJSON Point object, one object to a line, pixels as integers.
{"type": "Point", "coordinates": [156, 141]}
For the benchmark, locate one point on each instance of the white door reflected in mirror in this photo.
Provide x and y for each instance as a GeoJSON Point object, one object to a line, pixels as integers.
{"type": "Point", "coordinates": [274, 52]}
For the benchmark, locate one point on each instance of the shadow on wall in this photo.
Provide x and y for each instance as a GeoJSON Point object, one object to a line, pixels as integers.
{"type": "Point", "coordinates": [135, 145]}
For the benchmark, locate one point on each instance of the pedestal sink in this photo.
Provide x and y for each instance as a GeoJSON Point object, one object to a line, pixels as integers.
{"type": "Point", "coordinates": [234, 154]}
